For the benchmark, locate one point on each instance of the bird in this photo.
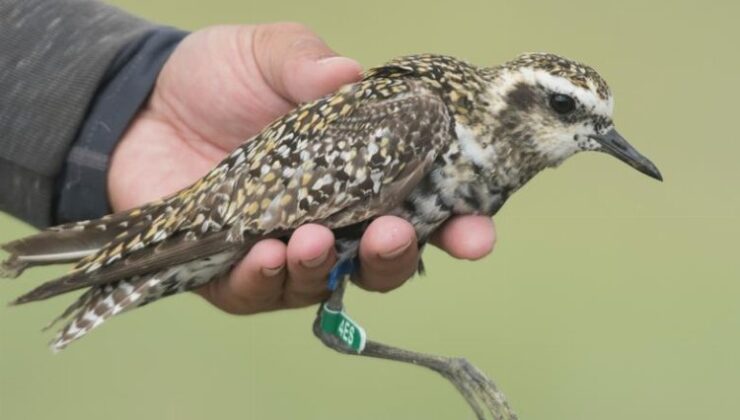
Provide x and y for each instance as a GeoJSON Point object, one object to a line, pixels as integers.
{"type": "Point", "coordinates": [423, 137]}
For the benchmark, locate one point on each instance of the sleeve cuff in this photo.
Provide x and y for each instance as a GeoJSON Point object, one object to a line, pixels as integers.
{"type": "Point", "coordinates": [82, 189]}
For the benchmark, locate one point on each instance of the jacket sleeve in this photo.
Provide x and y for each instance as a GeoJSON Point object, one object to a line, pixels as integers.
{"type": "Point", "coordinates": [57, 57]}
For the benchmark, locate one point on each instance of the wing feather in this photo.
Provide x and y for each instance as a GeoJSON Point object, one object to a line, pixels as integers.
{"type": "Point", "coordinates": [356, 155]}
{"type": "Point", "coordinates": [71, 242]}
{"type": "Point", "coordinates": [176, 251]}
{"type": "Point", "coordinates": [361, 165]}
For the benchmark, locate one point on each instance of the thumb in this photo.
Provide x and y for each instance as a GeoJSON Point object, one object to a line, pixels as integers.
{"type": "Point", "coordinates": [297, 64]}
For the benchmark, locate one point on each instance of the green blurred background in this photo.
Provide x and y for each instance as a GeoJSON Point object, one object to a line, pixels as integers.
{"type": "Point", "coordinates": [609, 296]}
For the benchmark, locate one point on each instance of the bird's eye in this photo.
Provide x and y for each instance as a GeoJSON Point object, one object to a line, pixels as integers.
{"type": "Point", "coordinates": [562, 104]}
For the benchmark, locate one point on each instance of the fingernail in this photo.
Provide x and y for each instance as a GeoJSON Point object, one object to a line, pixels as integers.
{"type": "Point", "coordinates": [272, 272]}
{"type": "Point", "coordinates": [329, 61]}
{"type": "Point", "coordinates": [395, 253]}
{"type": "Point", "coordinates": [315, 262]}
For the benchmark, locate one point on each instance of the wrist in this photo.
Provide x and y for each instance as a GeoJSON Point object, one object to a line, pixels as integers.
{"type": "Point", "coordinates": [82, 191]}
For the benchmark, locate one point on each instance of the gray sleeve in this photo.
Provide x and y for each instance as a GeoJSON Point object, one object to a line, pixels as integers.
{"type": "Point", "coordinates": [53, 56]}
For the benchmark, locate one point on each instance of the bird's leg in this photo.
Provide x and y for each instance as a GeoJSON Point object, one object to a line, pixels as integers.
{"type": "Point", "coordinates": [340, 333]}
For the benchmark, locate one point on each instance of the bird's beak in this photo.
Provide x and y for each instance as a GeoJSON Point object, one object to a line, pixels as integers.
{"type": "Point", "coordinates": [614, 144]}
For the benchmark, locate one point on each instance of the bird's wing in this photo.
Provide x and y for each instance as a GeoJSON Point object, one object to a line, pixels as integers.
{"type": "Point", "coordinates": [375, 141]}
{"type": "Point", "coordinates": [337, 161]}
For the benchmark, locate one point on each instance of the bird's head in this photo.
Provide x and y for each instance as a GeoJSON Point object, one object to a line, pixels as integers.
{"type": "Point", "coordinates": [558, 107]}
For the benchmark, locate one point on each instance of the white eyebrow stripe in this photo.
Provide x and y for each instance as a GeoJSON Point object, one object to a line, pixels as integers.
{"type": "Point", "coordinates": [561, 85]}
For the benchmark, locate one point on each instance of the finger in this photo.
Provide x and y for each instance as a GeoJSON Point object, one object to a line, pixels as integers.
{"type": "Point", "coordinates": [297, 64]}
{"type": "Point", "coordinates": [466, 237]}
{"type": "Point", "coordinates": [388, 254]}
{"type": "Point", "coordinates": [255, 284]}
{"type": "Point", "coordinates": [310, 257]}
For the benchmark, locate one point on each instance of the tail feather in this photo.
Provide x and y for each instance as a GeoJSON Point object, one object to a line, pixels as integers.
{"type": "Point", "coordinates": [70, 242]}
{"type": "Point", "coordinates": [48, 248]}
{"type": "Point", "coordinates": [67, 251]}
{"type": "Point", "coordinates": [179, 249]}
{"type": "Point", "coordinates": [121, 266]}
{"type": "Point", "coordinates": [106, 301]}
{"type": "Point", "coordinates": [12, 267]}
{"type": "Point", "coordinates": [82, 301]}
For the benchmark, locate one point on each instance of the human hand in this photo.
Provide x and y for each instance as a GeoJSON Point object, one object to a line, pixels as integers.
{"type": "Point", "coordinates": [221, 86]}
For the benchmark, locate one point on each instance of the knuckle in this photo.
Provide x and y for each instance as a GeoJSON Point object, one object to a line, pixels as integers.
{"type": "Point", "coordinates": [262, 34]}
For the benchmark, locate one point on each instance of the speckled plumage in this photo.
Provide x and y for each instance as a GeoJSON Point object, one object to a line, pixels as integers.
{"type": "Point", "coordinates": [423, 137]}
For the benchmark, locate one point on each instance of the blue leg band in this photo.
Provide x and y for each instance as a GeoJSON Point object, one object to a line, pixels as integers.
{"type": "Point", "coordinates": [341, 269]}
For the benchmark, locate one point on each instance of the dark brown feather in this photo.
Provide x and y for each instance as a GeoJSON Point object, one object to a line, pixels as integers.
{"type": "Point", "coordinates": [173, 252]}
{"type": "Point", "coordinates": [71, 242]}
